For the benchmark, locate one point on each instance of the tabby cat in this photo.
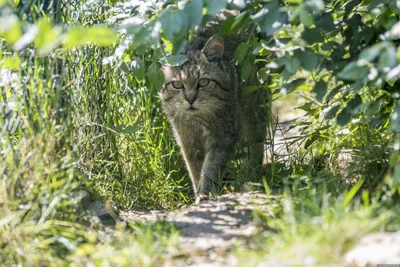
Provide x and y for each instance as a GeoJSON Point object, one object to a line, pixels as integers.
{"type": "Point", "coordinates": [202, 100]}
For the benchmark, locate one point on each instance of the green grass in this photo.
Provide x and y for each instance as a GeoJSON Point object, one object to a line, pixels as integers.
{"type": "Point", "coordinates": [317, 226]}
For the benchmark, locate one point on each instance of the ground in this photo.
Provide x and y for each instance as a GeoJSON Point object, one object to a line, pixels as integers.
{"type": "Point", "coordinates": [210, 231]}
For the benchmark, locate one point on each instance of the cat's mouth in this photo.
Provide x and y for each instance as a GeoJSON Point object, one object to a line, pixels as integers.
{"type": "Point", "coordinates": [192, 109]}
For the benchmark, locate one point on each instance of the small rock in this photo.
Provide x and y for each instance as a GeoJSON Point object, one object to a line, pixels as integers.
{"type": "Point", "coordinates": [377, 248]}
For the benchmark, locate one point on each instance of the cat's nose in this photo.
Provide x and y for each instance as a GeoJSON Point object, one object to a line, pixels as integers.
{"type": "Point", "coordinates": [191, 100]}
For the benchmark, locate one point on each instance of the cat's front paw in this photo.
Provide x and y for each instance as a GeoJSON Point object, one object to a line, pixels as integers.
{"type": "Point", "coordinates": [200, 198]}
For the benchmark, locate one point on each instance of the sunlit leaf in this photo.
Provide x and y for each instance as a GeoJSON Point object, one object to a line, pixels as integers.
{"type": "Point", "coordinates": [269, 18]}
{"type": "Point", "coordinates": [11, 63]}
{"type": "Point", "coordinates": [47, 37]}
{"type": "Point", "coordinates": [102, 36]}
{"type": "Point", "coordinates": [176, 60]}
{"type": "Point", "coordinates": [10, 28]}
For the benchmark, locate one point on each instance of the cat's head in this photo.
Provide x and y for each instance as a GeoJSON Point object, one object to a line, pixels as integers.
{"type": "Point", "coordinates": [201, 85]}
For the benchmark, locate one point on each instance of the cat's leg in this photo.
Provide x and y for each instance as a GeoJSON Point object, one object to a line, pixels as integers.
{"type": "Point", "coordinates": [194, 161]}
{"type": "Point", "coordinates": [218, 153]}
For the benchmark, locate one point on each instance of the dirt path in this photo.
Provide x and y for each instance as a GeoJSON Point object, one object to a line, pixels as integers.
{"type": "Point", "coordinates": [211, 230]}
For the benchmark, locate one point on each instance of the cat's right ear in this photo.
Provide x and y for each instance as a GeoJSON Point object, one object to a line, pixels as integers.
{"type": "Point", "coordinates": [214, 47]}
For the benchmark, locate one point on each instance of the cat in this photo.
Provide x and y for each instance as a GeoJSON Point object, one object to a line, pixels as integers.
{"type": "Point", "coordinates": [209, 116]}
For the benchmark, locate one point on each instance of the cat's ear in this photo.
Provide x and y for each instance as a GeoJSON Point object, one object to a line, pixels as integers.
{"type": "Point", "coordinates": [214, 47]}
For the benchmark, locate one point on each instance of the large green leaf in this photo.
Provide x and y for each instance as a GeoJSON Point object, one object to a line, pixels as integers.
{"type": "Point", "coordinates": [214, 6]}
{"type": "Point", "coordinates": [270, 18]}
{"type": "Point", "coordinates": [47, 36]}
{"type": "Point", "coordinates": [308, 59]}
{"type": "Point", "coordinates": [173, 22]}
{"type": "Point", "coordinates": [194, 12]}
{"type": "Point", "coordinates": [156, 76]}
{"type": "Point", "coordinates": [353, 72]}
{"type": "Point", "coordinates": [312, 36]}
{"type": "Point", "coordinates": [176, 60]}
{"type": "Point", "coordinates": [10, 28]}
{"type": "Point", "coordinates": [240, 52]}
{"type": "Point", "coordinates": [100, 35]}
{"type": "Point", "coordinates": [306, 17]}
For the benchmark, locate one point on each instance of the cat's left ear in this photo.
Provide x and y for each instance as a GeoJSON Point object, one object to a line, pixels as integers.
{"type": "Point", "coordinates": [214, 47]}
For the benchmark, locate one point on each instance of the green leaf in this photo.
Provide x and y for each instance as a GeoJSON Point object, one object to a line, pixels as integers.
{"type": "Point", "coordinates": [311, 140]}
{"type": "Point", "coordinates": [320, 90]}
{"type": "Point", "coordinates": [11, 63]}
{"type": "Point", "coordinates": [370, 53]}
{"type": "Point", "coordinates": [332, 93]}
{"type": "Point", "coordinates": [308, 59]}
{"type": "Point", "coordinates": [269, 18]}
{"type": "Point", "coordinates": [353, 72]}
{"type": "Point", "coordinates": [394, 32]}
{"type": "Point", "coordinates": [47, 36]}
{"type": "Point", "coordinates": [214, 6]}
{"type": "Point", "coordinates": [175, 61]}
{"type": "Point", "coordinates": [156, 76]}
{"type": "Point", "coordinates": [246, 69]}
{"type": "Point", "coordinates": [332, 113]}
{"type": "Point", "coordinates": [249, 89]}
{"type": "Point", "coordinates": [344, 117]}
{"type": "Point", "coordinates": [306, 17]}
{"type": "Point", "coordinates": [312, 36]}
{"type": "Point", "coordinates": [292, 85]}
{"type": "Point", "coordinates": [239, 23]}
{"type": "Point", "coordinates": [232, 25]}
{"type": "Point", "coordinates": [240, 52]}
{"type": "Point", "coordinates": [138, 68]}
{"type": "Point", "coordinates": [10, 28]}
{"type": "Point", "coordinates": [395, 118]}
{"type": "Point", "coordinates": [292, 65]}
{"type": "Point", "coordinates": [226, 25]}
{"type": "Point", "coordinates": [100, 35]}
{"type": "Point", "coordinates": [353, 191]}
{"type": "Point", "coordinates": [387, 60]}
{"type": "Point", "coordinates": [172, 23]}
{"type": "Point", "coordinates": [262, 75]}
{"type": "Point", "coordinates": [194, 12]}
{"type": "Point", "coordinates": [325, 23]}
{"type": "Point", "coordinates": [353, 104]}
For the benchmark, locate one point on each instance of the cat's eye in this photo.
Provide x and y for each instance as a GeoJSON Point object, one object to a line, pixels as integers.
{"type": "Point", "coordinates": [177, 84]}
{"type": "Point", "coordinates": [204, 82]}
